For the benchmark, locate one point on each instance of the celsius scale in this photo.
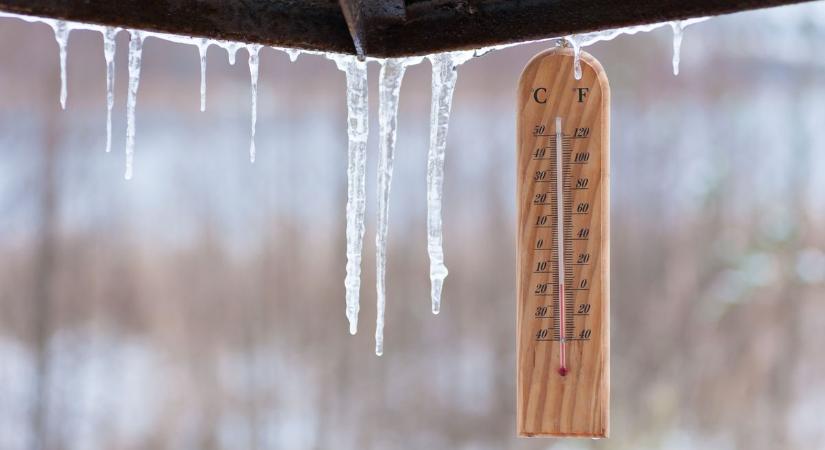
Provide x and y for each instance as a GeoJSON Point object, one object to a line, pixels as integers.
{"type": "Point", "coordinates": [563, 276]}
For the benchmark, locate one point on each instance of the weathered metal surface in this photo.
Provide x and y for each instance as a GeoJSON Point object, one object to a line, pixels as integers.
{"type": "Point", "coordinates": [380, 28]}
{"type": "Point", "coordinates": [449, 25]}
{"type": "Point", "coordinates": [308, 24]}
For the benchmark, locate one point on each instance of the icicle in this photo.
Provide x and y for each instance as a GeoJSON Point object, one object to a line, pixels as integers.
{"type": "Point", "coordinates": [580, 41]}
{"type": "Point", "coordinates": [61, 35]}
{"type": "Point", "coordinates": [678, 30]}
{"type": "Point", "coordinates": [109, 47]}
{"type": "Point", "coordinates": [135, 55]}
{"type": "Point", "coordinates": [253, 50]}
{"type": "Point", "coordinates": [392, 73]}
{"type": "Point", "coordinates": [577, 54]}
{"type": "Point", "coordinates": [293, 53]}
{"type": "Point", "coordinates": [445, 75]}
{"type": "Point", "coordinates": [203, 47]}
{"type": "Point", "coordinates": [231, 50]}
{"type": "Point", "coordinates": [357, 131]}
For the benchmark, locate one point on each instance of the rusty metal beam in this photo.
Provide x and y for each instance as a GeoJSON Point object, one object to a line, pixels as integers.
{"type": "Point", "coordinates": [307, 24]}
{"type": "Point", "coordinates": [379, 28]}
{"type": "Point", "coordinates": [465, 24]}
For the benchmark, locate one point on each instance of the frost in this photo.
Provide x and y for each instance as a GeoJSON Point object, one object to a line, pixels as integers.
{"type": "Point", "coordinates": [203, 47]}
{"type": "Point", "coordinates": [389, 88]}
{"type": "Point", "coordinates": [109, 47]}
{"type": "Point", "coordinates": [254, 50]}
{"type": "Point", "coordinates": [445, 75]}
{"type": "Point", "coordinates": [135, 56]}
{"type": "Point", "coordinates": [357, 131]}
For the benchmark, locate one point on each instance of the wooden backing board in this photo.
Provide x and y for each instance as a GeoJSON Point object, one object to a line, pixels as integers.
{"type": "Point", "coordinates": [576, 404]}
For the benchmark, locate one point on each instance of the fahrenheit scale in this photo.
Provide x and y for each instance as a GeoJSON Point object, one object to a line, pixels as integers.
{"type": "Point", "coordinates": [563, 247]}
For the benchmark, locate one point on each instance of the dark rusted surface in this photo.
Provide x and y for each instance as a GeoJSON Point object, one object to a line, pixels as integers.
{"type": "Point", "coordinates": [308, 24]}
{"type": "Point", "coordinates": [380, 28]}
{"type": "Point", "coordinates": [464, 24]}
{"type": "Point", "coordinates": [363, 15]}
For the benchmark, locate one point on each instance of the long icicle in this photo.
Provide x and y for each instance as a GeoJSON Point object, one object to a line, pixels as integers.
{"type": "Point", "coordinates": [135, 56]}
{"type": "Point", "coordinates": [254, 50]}
{"type": "Point", "coordinates": [445, 74]}
{"type": "Point", "coordinates": [109, 47]}
{"type": "Point", "coordinates": [203, 47]}
{"type": "Point", "coordinates": [392, 73]}
{"type": "Point", "coordinates": [61, 35]}
{"type": "Point", "coordinates": [357, 131]}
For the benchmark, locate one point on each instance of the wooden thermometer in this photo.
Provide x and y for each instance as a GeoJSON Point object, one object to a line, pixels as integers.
{"type": "Point", "coordinates": [563, 247]}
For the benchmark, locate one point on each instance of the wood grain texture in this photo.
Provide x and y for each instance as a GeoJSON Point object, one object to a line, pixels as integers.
{"type": "Point", "coordinates": [577, 404]}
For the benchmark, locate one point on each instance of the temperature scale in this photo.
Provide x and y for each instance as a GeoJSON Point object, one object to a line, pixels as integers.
{"type": "Point", "coordinates": [563, 279]}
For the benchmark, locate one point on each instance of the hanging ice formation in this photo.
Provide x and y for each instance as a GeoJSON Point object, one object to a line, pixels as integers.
{"type": "Point", "coordinates": [579, 41]}
{"type": "Point", "coordinates": [357, 132]}
{"type": "Point", "coordinates": [135, 56]}
{"type": "Point", "coordinates": [203, 48]}
{"type": "Point", "coordinates": [577, 53]}
{"type": "Point", "coordinates": [61, 35]}
{"type": "Point", "coordinates": [389, 88]}
{"type": "Point", "coordinates": [293, 53]}
{"type": "Point", "coordinates": [678, 32]}
{"type": "Point", "coordinates": [445, 74]}
{"type": "Point", "coordinates": [109, 47]}
{"type": "Point", "coordinates": [253, 50]}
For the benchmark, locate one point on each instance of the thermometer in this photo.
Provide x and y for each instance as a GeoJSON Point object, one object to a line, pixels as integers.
{"type": "Point", "coordinates": [563, 276]}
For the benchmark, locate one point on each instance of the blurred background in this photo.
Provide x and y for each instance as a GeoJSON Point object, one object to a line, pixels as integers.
{"type": "Point", "coordinates": [201, 305]}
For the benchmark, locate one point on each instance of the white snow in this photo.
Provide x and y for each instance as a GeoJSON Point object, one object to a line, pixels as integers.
{"type": "Point", "coordinates": [135, 56]}
{"type": "Point", "coordinates": [445, 75]}
{"type": "Point", "coordinates": [357, 131]}
{"type": "Point", "coordinates": [254, 50]}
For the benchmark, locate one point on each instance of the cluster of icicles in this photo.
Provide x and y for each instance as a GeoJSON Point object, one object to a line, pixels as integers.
{"type": "Point", "coordinates": [444, 77]}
